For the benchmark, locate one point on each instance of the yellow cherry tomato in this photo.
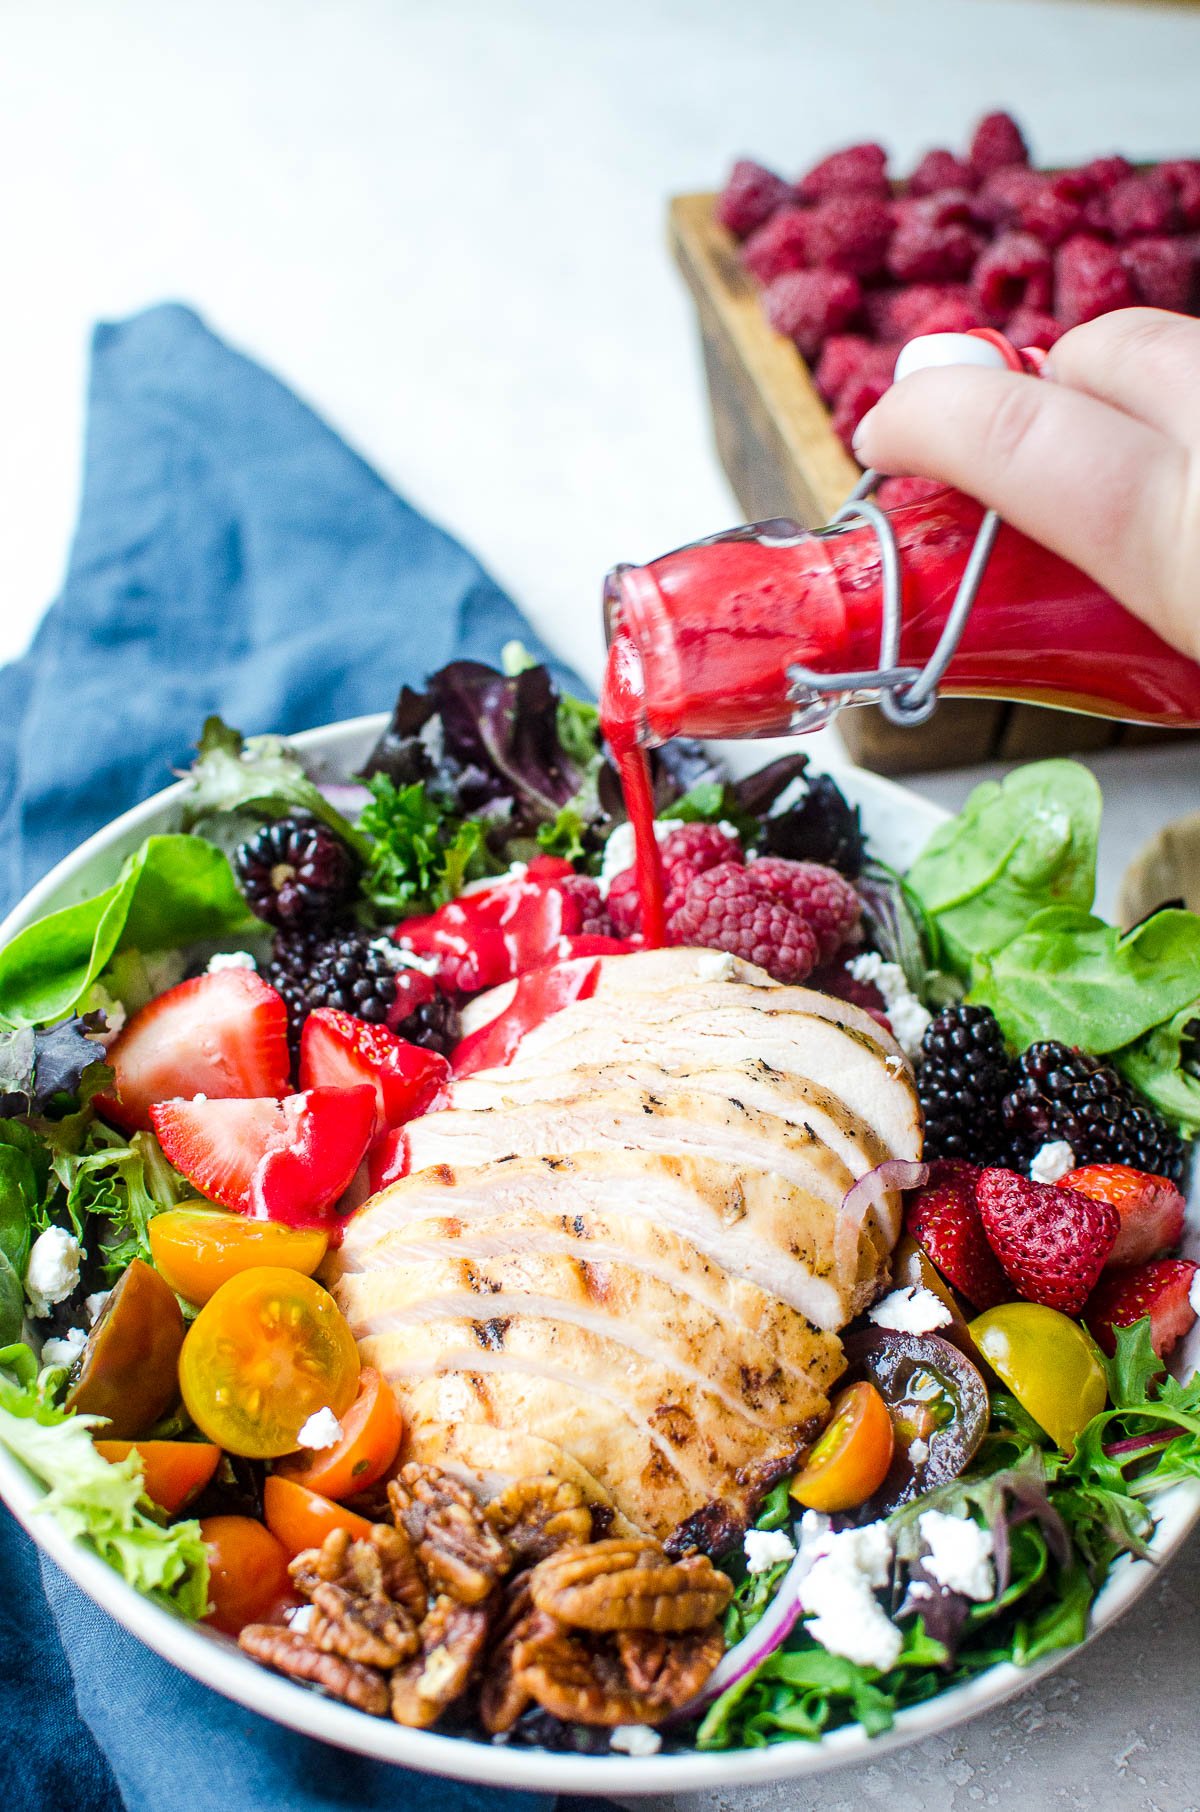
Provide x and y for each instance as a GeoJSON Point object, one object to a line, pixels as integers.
{"type": "Point", "coordinates": [1051, 1365]}
{"type": "Point", "coordinates": [265, 1353]}
{"type": "Point", "coordinates": [199, 1249]}
{"type": "Point", "coordinates": [851, 1459]}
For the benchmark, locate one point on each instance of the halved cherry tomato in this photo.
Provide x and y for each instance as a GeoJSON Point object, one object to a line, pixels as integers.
{"type": "Point", "coordinates": [173, 1472]}
{"type": "Point", "coordinates": [851, 1459]}
{"type": "Point", "coordinates": [128, 1370]}
{"type": "Point", "coordinates": [265, 1353]}
{"type": "Point", "coordinates": [247, 1572]}
{"type": "Point", "coordinates": [301, 1518]}
{"type": "Point", "coordinates": [371, 1431]}
{"type": "Point", "coordinates": [199, 1249]}
{"type": "Point", "coordinates": [1051, 1365]}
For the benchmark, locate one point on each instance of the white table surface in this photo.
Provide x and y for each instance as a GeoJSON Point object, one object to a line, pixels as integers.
{"type": "Point", "coordinates": [443, 225]}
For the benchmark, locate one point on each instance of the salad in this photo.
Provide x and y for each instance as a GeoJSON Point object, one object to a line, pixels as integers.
{"type": "Point", "coordinates": [208, 1069]}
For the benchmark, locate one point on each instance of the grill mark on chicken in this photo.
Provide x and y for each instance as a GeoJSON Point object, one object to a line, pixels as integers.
{"type": "Point", "coordinates": [491, 1333]}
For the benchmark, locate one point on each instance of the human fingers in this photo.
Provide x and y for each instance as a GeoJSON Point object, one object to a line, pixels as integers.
{"type": "Point", "coordinates": [1143, 361]}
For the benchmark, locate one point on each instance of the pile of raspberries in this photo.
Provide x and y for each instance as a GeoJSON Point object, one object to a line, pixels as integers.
{"type": "Point", "coordinates": [851, 267]}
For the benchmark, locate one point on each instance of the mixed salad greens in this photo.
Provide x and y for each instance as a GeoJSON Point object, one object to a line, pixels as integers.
{"type": "Point", "coordinates": [119, 1228]}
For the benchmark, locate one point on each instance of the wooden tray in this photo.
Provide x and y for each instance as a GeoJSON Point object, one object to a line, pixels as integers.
{"type": "Point", "coordinates": [777, 445]}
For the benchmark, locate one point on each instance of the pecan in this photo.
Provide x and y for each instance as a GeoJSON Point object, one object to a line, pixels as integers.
{"type": "Point", "coordinates": [670, 1669]}
{"type": "Point", "coordinates": [580, 1683]}
{"type": "Point", "coordinates": [291, 1653]}
{"type": "Point", "coordinates": [461, 1555]}
{"type": "Point", "coordinates": [502, 1697]}
{"type": "Point", "coordinates": [368, 1595]}
{"type": "Point", "coordinates": [452, 1639]}
{"type": "Point", "coordinates": [629, 1585]}
{"type": "Point", "coordinates": [537, 1515]}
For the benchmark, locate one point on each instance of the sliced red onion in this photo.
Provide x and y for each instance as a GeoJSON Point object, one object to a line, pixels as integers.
{"type": "Point", "coordinates": [772, 1629]}
{"type": "Point", "coordinates": [871, 1192]}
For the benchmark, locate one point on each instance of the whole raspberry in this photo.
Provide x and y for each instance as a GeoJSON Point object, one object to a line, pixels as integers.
{"type": "Point", "coordinates": [683, 853]}
{"type": "Point", "coordinates": [1103, 174]}
{"type": "Point", "coordinates": [1163, 271]}
{"type": "Point", "coordinates": [1182, 174]}
{"type": "Point", "coordinates": [729, 908]}
{"type": "Point", "coordinates": [859, 170]}
{"type": "Point", "coordinates": [1031, 201]}
{"type": "Point", "coordinates": [1005, 193]}
{"type": "Point", "coordinates": [1029, 327]}
{"type": "Point", "coordinates": [842, 358]}
{"type": "Point", "coordinates": [807, 306]}
{"type": "Point", "coordinates": [594, 920]}
{"type": "Point", "coordinates": [1141, 207]}
{"type": "Point", "coordinates": [863, 391]}
{"type": "Point", "coordinates": [1089, 280]}
{"type": "Point", "coordinates": [781, 244]}
{"type": "Point", "coordinates": [1014, 272]}
{"type": "Point", "coordinates": [896, 314]}
{"type": "Point", "coordinates": [851, 233]}
{"type": "Point", "coordinates": [940, 169]}
{"type": "Point", "coordinates": [997, 141]}
{"type": "Point", "coordinates": [819, 895]}
{"type": "Point", "coordinates": [750, 196]}
{"type": "Point", "coordinates": [894, 493]}
{"type": "Point", "coordinates": [933, 240]}
{"type": "Point", "coordinates": [953, 314]}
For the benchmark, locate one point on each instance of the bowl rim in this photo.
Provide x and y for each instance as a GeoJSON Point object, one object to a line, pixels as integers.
{"type": "Point", "coordinates": [215, 1661]}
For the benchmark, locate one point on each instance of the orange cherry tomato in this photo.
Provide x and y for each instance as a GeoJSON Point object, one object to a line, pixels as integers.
{"type": "Point", "coordinates": [173, 1472]}
{"type": "Point", "coordinates": [247, 1572]}
{"type": "Point", "coordinates": [300, 1518]}
{"type": "Point", "coordinates": [371, 1431]}
{"type": "Point", "coordinates": [269, 1350]}
{"type": "Point", "coordinates": [199, 1249]}
{"type": "Point", "coordinates": [852, 1457]}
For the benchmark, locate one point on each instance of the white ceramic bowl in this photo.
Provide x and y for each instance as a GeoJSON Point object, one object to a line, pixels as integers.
{"type": "Point", "coordinates": [898, 823]}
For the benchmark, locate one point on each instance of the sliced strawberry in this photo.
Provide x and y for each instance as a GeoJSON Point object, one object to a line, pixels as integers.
{"type": "Point", "coordinates": [222, 1035]}
{"type": "Point", "coordinates": [1161, 1290]}
{"type": "Point", "coordinates": [276, 1160]}
{"type": "Point", "coordinates": [536, 996]}
{"type": "Point", "coordinates": [339, 1051]}
{"type": "Point", "coordinates": [1150, 1207]}
{"type": "Point", "coordinates": [387, 1160]}
{"type": "Point", "coordinates": [944, 1220]}
{"type": "Point", "coordinates": [1052, 1242]}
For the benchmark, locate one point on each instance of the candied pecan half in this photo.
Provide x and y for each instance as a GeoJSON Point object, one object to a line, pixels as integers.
{"type": "Point", "coordinates": [461, 1555]}
{"type": "Point", "coordinates": [452, 1641]}
{"type": "Point", "coordinates": [670, 1669]}
{"type": "Point", "coordinates": [629, 1585]}
{"type": "Point", "coordinates": [579, 1682]}
{"type": "Point", "coordinates": [537, 1515]}
{"type": "Point", "coordinates": [291, 1653]}
{"type": "Point", "coordinates": [369, 1595]}
{"type": "Point", "coordinates": [502, 1697]}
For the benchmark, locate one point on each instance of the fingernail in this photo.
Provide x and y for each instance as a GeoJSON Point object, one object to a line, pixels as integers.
{"type": "Point", "coordinates": [858, 440]}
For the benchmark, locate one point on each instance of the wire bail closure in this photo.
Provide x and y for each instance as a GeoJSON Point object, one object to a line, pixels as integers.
{"type": "Point", "coordinates": [906, 695]}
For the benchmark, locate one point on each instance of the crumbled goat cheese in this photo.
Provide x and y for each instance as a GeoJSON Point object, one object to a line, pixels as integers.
{"type": "Point", "coordinates": [299, 1617]}
{"type": "Point", "coordinates": [918, 1451]}
{"type": "Point", "coordinates": [66, 1350]}
{"type": "Point", "coordinates": [960, 1554]}
{"type": "Point", "coordinates": [765, 1548]}
{"type": "Point", "coordinates": [716, 965]}
{"type": "Point", "coordinates": [1052, 1161]}
{"type": "Point", "coordinates": [906, 1016]}
{"type": "Point", "coordinates": [405, 959]}
{"type": "Point", "coordinates": [911, 1310]}
{"type": "Point", "coordinates": [230, 959]}
{"type": "Point", "coordinates": [619, 851]}
{"type": "Point", "coordinates": [839, 1593]}
{"type": "Point", "coordinates": [1194, 1293]}
{"type": "Point", "coordinates": [320, 1431]}
{"type": "Point", "coordinates": [53, 1269]}
{"type": "Point", "coordinates": [635, 1739]}
{"type": "Point", "coordinates": [93, 1304]}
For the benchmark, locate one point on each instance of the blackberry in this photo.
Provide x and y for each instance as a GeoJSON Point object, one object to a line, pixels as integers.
{"type": "Point", "coordinates": [355, 971]}
{"type": "Point", "coordinates": [295, 872]}
{"type": "Point", "coordinates": [1059, 1093]}
{"type": "Point", "coordinates": [964, 1073]}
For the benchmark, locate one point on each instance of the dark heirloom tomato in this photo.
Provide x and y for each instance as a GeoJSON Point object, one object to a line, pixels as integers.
{"type": "Point", "coordinates": [129, 1369]}
{"type": "Point", "coordinates": [938, 1403]}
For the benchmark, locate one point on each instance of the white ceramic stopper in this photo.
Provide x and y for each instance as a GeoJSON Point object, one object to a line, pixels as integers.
{"type": "Point", "coordinates": [932, 349]}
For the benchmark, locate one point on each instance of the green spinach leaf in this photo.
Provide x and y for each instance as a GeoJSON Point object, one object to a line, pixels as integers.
{"type": "Point", "coordinates": [1161, 1066]}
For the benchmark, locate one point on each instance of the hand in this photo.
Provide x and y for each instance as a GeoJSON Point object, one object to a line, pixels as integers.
{"type": "Point", "coordinates": [1102, 465]}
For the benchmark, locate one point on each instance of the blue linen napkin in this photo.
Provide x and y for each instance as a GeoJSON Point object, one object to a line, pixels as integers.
{"type": "Point", "coordinates": [232, 555]}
